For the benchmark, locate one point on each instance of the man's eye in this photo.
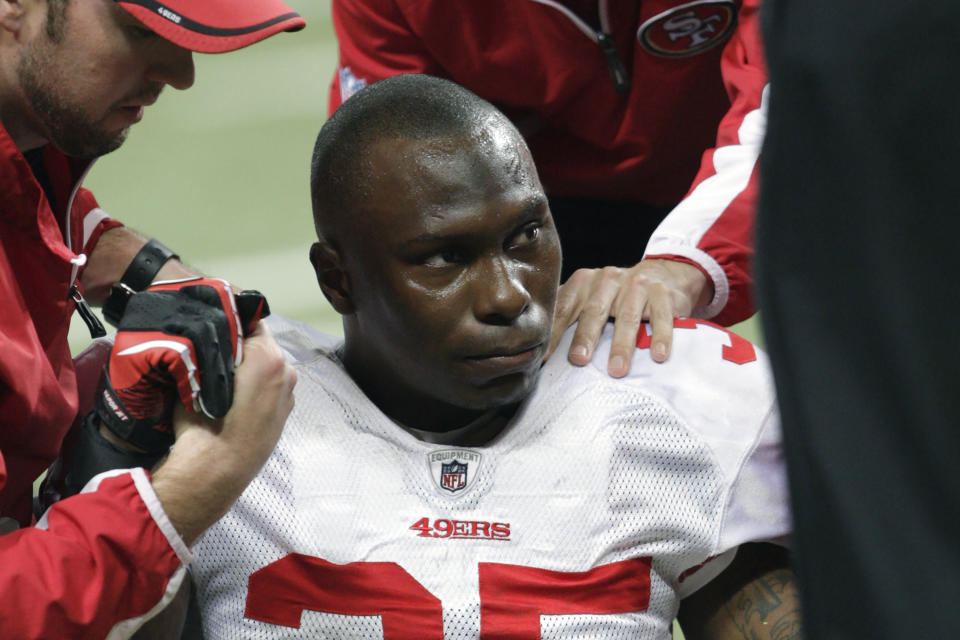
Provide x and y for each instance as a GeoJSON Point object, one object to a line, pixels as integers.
{"type": "Point", "coordinates": [527, 236]}
{"type": "Point", "coordinates": [141, 32]}
{"type": "Point", "coordinates": [444, 258]}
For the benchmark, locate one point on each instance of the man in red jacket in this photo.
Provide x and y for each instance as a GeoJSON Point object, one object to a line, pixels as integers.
{"type": "Point", "coordinates": [627, 107]}
{"type": "Point", "coordinates": [74, 76]}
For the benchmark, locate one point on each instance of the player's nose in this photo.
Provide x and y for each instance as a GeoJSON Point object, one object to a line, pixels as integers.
{"type": "Point", "coordinates": [172, 65]}
{"type": "Point", "coordinates": [499, 295]}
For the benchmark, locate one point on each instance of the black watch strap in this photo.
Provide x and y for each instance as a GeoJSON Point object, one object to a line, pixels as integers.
{"type": "Point", "coordinates": [138, 276]}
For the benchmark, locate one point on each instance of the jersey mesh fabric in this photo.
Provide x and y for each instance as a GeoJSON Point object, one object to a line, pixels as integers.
{"type": "Point", "coordinates": [591, 472]}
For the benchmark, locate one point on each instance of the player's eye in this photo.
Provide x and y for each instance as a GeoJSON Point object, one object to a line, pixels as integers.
{"type": "Point", "coordinates": [527, 236]}
{"type": "Point", "coordinates": [444, 258]}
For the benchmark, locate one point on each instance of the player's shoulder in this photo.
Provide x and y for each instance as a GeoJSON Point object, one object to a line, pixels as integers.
{"type": "Point", "coordinates": [302, 343]}
{"type": "Point", "coordinates": [713, 376]}
{"type": "Point", "coordinates": [701, 350]}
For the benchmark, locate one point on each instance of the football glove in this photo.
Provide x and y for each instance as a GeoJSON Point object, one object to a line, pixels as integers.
{"type": "Point", "coordinates": [179, 338]}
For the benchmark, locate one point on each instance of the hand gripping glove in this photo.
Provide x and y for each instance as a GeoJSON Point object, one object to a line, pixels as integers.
{"type": "Point", "coordinates": [178, 338]}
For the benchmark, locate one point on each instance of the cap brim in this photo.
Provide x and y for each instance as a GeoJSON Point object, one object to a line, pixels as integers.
{"type": "Point", "coordinates": [214, 26]}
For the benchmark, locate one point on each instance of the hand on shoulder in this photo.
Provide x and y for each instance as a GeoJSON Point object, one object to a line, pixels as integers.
{"type": "Point", "coordinates": [657, 290]}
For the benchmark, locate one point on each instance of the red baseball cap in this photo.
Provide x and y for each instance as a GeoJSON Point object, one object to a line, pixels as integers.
{"type": "Point", "coordinates": [214, 26]}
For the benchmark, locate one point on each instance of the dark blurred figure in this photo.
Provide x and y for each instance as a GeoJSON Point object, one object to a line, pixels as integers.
{"type": "Point", "coordinates": [857, 236]}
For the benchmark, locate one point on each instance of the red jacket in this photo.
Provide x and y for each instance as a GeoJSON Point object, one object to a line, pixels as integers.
{"type": "Point", "coordinates": [102, 557]}
{"type": "Point", "coordinates": [696, 74]}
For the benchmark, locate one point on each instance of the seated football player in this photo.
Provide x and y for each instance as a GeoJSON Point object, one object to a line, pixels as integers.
{"type": "Point", "coordinates": [436, 479]}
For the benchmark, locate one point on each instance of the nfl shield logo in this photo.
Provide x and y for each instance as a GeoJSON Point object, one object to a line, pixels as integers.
{"type": "Point", "coordinates": [453, 476]}
{"type": "Point", "coordinates": [454, 470]}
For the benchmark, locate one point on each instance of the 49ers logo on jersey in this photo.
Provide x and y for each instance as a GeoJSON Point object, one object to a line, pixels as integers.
{"type": "Point", "coordinates": [453, 470]}
{"type": "Point", "coordinates": [688, 29]}
{"type": "Point", "coordinates": [473, 529]}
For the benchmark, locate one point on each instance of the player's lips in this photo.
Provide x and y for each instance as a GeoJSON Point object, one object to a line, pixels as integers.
{"type": "Point", "coordinates": [506, 360]}
{"type": "Point", "coordinates": [133, 110]}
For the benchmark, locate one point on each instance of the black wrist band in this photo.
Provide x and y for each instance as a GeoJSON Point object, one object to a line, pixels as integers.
{"type": "Point", "coordinates": [138, 276]}
{"type": "Point", "coordinates": [94, 454]}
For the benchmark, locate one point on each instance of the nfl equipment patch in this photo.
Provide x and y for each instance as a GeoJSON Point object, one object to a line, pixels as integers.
{"type": "Point", "coordinates": [689, 29]}
{"type": "Point", "coordinates": [453, 470]}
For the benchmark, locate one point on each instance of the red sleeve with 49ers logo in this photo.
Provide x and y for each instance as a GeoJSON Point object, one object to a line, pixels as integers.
{"type": "Point", "coordinates": [713, 226]}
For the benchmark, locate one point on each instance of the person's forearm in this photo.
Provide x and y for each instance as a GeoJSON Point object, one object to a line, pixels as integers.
{"type": "Point", "coordinates": [194, 492]}
{"type": "Point", "coordinates": [110, 258]}
{"type": "Point", "coordinates": [212, 461]}
{"type": "Point", "coordinates": [755, 598]}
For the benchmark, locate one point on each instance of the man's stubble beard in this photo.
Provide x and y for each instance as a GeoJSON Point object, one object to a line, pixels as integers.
{"type": "Point", "coordinates": [66, 126]}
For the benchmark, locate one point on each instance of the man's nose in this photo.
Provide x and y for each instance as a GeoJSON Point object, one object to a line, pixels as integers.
{"type": "Point", "coordinates": [172, 65]}
{"type": "Point", "coordinates": [499, 295]}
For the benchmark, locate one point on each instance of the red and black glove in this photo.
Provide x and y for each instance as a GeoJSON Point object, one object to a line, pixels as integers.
{"type": "Point", "coordinates": [178, 338]}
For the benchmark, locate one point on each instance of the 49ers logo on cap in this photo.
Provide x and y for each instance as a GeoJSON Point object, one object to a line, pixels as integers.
{"type": "Point", "coordinates": [688, 29]}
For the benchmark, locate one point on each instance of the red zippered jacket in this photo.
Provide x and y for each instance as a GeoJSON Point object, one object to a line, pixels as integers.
{"type": "Point", "coordinates": [690, 121]}
{"type": "Point", "coordinates": [101, 560]}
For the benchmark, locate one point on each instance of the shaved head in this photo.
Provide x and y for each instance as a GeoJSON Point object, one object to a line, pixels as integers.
{"type": "Point", "coordinates": [406, 107]}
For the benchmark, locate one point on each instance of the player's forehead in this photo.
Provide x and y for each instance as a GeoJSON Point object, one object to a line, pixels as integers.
{"type": "Point", "coordinates": [489, 141]}
{"type": "Point", "coordinates": [445, 169]}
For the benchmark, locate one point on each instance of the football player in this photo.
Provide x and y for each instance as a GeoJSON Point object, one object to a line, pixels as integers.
{"type": "Point", "coordinates": [436, 479]}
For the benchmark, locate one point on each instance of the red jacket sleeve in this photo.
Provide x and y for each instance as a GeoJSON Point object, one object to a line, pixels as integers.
{"type": "Point", "coordinates": [375, 43]}
{"type": "Point", "coordinates": [98, 563]}
{"type": "Point", "coordinates": [713, 225]}
{"type": "Point", "coordinates": [87, 222]}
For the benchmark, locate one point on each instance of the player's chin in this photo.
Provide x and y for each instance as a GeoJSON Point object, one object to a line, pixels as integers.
{"type": "Point", "coordinates": [97, 143]}
{"type": "Point", "coordinates": [503, 390]}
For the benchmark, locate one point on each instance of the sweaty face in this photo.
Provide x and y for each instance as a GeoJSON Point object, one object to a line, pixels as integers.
{"type": "Point", "coordinates": [454, 264]}
{"type": "Point", "coordinates": [84, 90]}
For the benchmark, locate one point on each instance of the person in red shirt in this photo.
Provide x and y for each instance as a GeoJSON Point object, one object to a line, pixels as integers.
{"type": "Point", "coordinates": [629, 109]}
{"type": "Point", "coordinates": [75, 75]}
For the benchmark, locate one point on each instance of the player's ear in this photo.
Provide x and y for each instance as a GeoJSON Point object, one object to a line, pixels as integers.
{"type": "Point", "coordinates": [331, 277]}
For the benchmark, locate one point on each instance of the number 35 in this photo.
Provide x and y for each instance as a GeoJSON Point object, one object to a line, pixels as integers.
{"type": "Point", "coordinates": [512, 597]}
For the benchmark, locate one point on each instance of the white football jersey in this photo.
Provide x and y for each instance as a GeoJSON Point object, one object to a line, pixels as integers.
{"type": "Point", "coordinates": [600, 506]}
